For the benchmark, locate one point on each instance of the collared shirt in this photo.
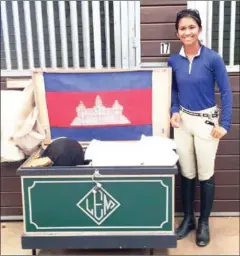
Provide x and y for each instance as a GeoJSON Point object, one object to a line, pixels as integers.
{"type": "Point", "coordinates": [182, 53]}
{"type": "Point", "coordinates": [193, 83]}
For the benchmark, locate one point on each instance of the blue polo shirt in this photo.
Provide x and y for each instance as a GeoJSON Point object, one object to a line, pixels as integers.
{"type": "Point", "coordinates": [193, 83]}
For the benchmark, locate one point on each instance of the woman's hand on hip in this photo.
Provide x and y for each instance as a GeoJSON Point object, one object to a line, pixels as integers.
{"type": "Point", "coordinates": [218, 132]}
{"type": "Point", "coordinates": [175, 120]}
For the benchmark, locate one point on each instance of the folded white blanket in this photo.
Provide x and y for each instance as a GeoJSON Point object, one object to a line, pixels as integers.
{"type": "Point", "coordinates": [149, 151]}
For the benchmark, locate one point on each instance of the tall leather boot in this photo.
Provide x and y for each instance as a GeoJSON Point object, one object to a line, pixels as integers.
{"type": "Point", "coordinates": [207, 188]}
{"type": "Point", "coordinates": [188, 194]}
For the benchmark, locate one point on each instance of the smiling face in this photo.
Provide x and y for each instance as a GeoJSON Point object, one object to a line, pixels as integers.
{"type": "Point", "coordinates": [188, 31]}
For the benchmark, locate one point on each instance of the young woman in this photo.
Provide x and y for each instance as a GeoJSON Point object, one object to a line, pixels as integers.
{"type": "Point", "coordinates": [195, 118]}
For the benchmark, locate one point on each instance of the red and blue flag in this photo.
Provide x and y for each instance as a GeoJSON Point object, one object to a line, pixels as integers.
{"type": "Point", "coordinates": [104, 105]}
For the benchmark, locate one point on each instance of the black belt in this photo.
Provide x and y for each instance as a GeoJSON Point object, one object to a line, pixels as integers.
{"type": "Point", "coordinates": [199, 114]}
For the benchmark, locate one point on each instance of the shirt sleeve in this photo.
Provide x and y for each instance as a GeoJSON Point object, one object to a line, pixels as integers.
{"type": "Point", "coordinates": [174, 94]}
{"type": "Point", "coordinates": [222, 80]}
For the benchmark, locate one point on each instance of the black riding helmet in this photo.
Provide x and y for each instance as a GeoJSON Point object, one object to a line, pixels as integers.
{"type": "Point", "coordinates": [65, 152]}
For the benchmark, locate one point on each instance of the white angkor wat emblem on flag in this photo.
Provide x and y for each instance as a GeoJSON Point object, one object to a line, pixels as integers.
{"type": "Point", "coordinates": [99, 114]}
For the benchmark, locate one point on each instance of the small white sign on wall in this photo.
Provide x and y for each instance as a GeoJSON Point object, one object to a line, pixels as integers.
{"type": "Point", "coordinates": [164, 48]}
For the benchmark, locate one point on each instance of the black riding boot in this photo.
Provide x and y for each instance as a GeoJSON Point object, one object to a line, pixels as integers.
{"type": "Point", "coordinates": [207, 197]}
{"type": "Point", "coordinates": [188, 193]}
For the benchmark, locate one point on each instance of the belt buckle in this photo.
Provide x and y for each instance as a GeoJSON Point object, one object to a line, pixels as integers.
{"type": "Point", "coordinates": [213, 114]}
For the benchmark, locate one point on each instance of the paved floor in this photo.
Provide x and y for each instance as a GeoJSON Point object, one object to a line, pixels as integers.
{"type": "Point", "coordinates": [224, 234]}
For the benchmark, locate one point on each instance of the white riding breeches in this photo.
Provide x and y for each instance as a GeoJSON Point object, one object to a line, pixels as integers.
{"type": "Point", "coordinates": [195, 145]}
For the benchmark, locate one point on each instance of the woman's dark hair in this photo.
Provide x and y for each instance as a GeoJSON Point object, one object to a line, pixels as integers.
{"type": "Point", "coordinates": [194, 14]}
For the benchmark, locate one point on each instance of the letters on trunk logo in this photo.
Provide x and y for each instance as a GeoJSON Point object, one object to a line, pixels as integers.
{"type": "Point", "coordinates": [98, 205]}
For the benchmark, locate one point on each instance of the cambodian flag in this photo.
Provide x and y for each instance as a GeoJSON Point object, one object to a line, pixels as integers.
{"type": "Point", "coordinates": [101, 105]}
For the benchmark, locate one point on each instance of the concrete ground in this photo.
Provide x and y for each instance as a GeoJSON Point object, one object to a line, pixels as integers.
{"type": "Point", "coordinates": [224, 241]}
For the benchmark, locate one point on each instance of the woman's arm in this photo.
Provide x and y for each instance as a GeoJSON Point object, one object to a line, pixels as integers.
{"type": "Point", "coordinates": [222, 79]}
{"type": "Point", "coordinates": [174, 96]}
